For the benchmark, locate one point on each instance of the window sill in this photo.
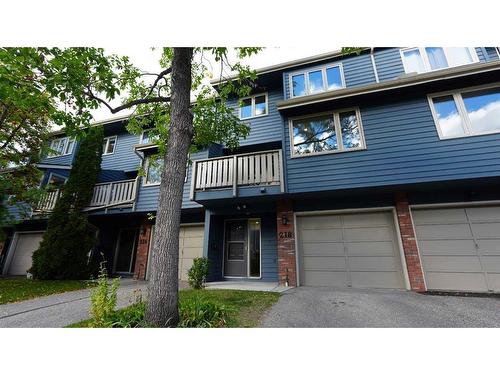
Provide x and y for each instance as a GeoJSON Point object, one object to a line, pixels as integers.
{"type": "Point", "coordinates": [292, 156]}
{"type": "Point", "coordinates": [249, 118]}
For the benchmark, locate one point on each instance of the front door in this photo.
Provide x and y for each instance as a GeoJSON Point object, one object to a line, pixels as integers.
{"type": "Point", "coordinates": [242, 248]}
{"type": "Point", "coordinates": [125, 251]}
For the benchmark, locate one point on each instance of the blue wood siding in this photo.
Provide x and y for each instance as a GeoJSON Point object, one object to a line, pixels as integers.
{"type": "Point", "coordinates": [358, 70]}
{"type": "Point", "coordinates": [124, 158]}
{"type": "Point", "coordinates": [147, 199]}
{"type": "Point", "coordinates": [61, 160]}
{"type": "Point", "coordinates": [492, 53]}
{"type": "Point", "coordinates": [389, 64]}
{"type": "Point", "coordinates": [402, 147]}
{"type": "Point", "coordinates": [265, 128]}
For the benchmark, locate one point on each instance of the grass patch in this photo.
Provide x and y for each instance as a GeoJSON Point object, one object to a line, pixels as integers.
{"type": "Point", "coordinates": [20, 289]}
{"type": "Point", "coordinates": [244, 308]}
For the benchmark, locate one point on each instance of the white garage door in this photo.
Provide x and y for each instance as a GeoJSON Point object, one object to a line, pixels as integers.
{"type": "Point", "coordinates": [25, 245]}
{"type": "Point", "coordinates": [460, 247]}
{"type": "Point", "coordinates": [190, 247]}
{"type": "Point", "coordinates": [358, 250]}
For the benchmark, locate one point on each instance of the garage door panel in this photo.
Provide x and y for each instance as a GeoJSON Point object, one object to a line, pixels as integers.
{"type": "Point", "coordinates": [324, 263]}
{"type": "Point", "coordinates": [489, 246]}
{"type": "Point", "coordinates": [452, 264]}
{"type": "Point", "coordinates": [25, 245]}
{"type": "Point", "coordinates": [321, 235]}
{"type": "Point", "coordinates": [367, 220]}
{"type": "Point", "coordinates": [491, 213]}
{"type": "Point", "coordinates": [486, 230]}
{"type": "Point", "coordinates": [319, 222]}
{"type": "Point", "coordinates": [322, 248]}
{"type": "Point", "coordinates": [494, 280]}
{"type": "Point", "coordinates": [491, 263]}
{"type": "Point", "coordinates": [445, 215]}
{"type": "Point", "coordinates": [389, 264]}
{"type": "Point", "coordinates": [446, 247]}
{"type": "Point", "coordinates": [375, 280]}
{"type": "Point", "coordinates": [325, 278]}
{"type": "Point", "coordinates": [368, 234]}
{"type": "Point", "coordinates": [190, 247]}
{"type": "Point", "coordinates": [374, 248]}
{"type": "Point", "coordinates": [444, 231]}
{"type": "Point", "coordinates": [472, 282]}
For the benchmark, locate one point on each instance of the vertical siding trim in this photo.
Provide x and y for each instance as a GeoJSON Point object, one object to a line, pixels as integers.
{"type": "Point", "coordinates": [374, 66]}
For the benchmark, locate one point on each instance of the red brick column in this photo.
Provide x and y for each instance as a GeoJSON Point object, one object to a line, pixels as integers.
{"type": "Point", "coordinates": [141, 257]}
{"type": "Point", "coordinates": [409, 240]}
{"type": "Point", "coordinates": [287, 270]}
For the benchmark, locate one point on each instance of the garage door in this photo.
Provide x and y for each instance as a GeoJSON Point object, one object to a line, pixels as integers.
{"type": "Point", "coordinates": [460, 247]}
{"type": "Point", "coordinates": [190, 247]}
{"type": "Point", "coordinates": [25, 245]}
{"type": "Point", "coordinates": [358, 250]}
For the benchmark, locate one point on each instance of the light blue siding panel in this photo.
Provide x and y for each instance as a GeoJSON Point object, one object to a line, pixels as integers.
{"type": "Point", "coordinates": [269, 250]}
{"type": "Point", "coordinates": [358, 70]}
{"type": "Point", "coordinates": [402, 147]}
{"type": "Point", "coordinates": [389, 64]}
{"type": "Point", "coordinates": [481, 54]}
{"type": "Point", "coordinates": [61, 160]}
{"type": "Point", "coordinates": [492, 53]}
{"type": "Point", "coordinates": [124, 157]}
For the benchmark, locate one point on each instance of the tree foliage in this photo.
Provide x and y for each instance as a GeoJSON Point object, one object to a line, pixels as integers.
{"type": "Point", "coordinates": [63, 252]}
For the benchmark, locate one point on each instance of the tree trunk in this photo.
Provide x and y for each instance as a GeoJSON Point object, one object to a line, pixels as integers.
{"type": "Point", "coordinates": [162, 309]}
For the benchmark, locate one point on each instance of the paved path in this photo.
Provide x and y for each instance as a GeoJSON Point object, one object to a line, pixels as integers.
{"type": "Point", "coordinates": [329, 307]}
{"type": "Point", "coordinates": [59, 310]}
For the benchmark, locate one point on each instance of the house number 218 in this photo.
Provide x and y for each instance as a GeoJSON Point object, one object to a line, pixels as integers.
{"type": "Point", "coordinates": [286, 235]}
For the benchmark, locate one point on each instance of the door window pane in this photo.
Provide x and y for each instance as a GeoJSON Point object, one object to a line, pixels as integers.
{"type": "Point", "coordinates": [298, 85]}
{"type": "Point", "coordinates": [351, 138]}
{"type": "Point", "coordinates": [236, 231]}
{"type": "Point", "coordinates": [459, 56]}
{"type": "Point", "coordinates": [437, 58]}
{"type": "Point", "coordinates": [254, 247]}
{"type": "Point", "coordinates": [483, 109]}
{"type": "Point", "coordinates": [316, 82]}
{"type": "Point", "coordinates": [260, 105]}
{"type": "Point", "coordinates": [449, 119]}
{"type": "Point", "coordinates": [333, 78]}
{"type": "Point", "coordinates": [413, 61]}
{"type": "Point", "coordinates": [314, 135]}
{"type": "Point", "coordinates": [236, 251]}
{"type": "Point", "coordinates": [246, 108]}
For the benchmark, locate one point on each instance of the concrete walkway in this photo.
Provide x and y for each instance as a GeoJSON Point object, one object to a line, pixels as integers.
{"type": "Point", "coordinates": [60, 310]}
{"type": "Point", "coordinates": [258, 286]}
{"type": "Point", "coordinates": [334, 307]}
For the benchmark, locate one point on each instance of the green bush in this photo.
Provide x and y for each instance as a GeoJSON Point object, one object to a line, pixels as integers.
{"type": "Point", "coordinates": [103, 300]}
{"type": "Point", "coordinates": [129, 317]}
{"type": "Point", "coordinates": [198, 273]}
{"type": "Point", "coordinates": [197, 312]}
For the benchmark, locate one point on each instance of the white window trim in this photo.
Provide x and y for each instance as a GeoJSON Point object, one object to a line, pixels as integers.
{"type": "Point", "coordinates": [462, 111]}
{"type": "Point", "coordinates": [145, 177]}
{"type": "Point", "coordinates": [66, 150]}
{"type": "Point", "coordinates": [51, 174]}
{"type": "Point", "coordinates": [107, 139]}
{"type": "Point", "coordinates": [306, 72]}
{"type": "Point", "coordinates": [338, 132]}
{"type": "Point", "coordinates": [425, 59]}
{"type": "Point", "coordinates": [253, 106]}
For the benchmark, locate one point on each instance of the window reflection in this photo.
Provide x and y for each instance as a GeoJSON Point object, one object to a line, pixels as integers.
{"type": "Point", "coordinates": [314, 135]}
{"type": "Point", "coordinates": [298, 85]}
{"type": "Point", "coordinates": [449, 119]}
{"type": "Point", "coordinates": [316, 82]}
{"type": "Point", "coordinates": [483, 109]}
{"type": "Point", "coordinates": [351, 137]}
{"type": "Point", "coordinates": [414, 62]}
{"type": "Point", "coordinates": [334, 78]}
{"type": "Point", "coordinates": [246, 108]}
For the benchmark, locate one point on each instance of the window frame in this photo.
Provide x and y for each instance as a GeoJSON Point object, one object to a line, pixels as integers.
{"type": "Point", "coordinates": [252, 97]}
{"type": "Point", "coordinates": [462, 110]}
{"type": "Point", "coordinates": [425, 59]}
{"type": "Point", "coordinates": [66, 150]}
{"type": "Point", "coordinates": [306, 72]}
{"type": "Point", "coordinates": [336, 121]}
{"type": "Point", "coordinates": [107, 139]}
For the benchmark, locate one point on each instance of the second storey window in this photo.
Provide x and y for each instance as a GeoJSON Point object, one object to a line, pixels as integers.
{"type": "Point", "coordinates": [154, 168]}
{"type": "Point", "coordinates": [108, 145]}
{"type": "Point", "coordinates": [316, 80]}
{"type": "Point", "coordinates": [334, 132]}
{"type": "Point", "coordinates": [253, 106]}
{"type": "Point", "coordinates": [61, 146]}
{"type": "Point", "coordinates": [466, 113]}
{"type": "Point", "coordinates": [426, 59]}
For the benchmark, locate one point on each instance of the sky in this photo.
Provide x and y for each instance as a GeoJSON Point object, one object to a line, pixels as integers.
{"type": "Point", "coordinates": [147, 59]}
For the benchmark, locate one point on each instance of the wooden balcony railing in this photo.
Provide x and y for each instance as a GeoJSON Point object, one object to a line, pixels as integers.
{"type": "Point", "coordinates": [253, 169]}
{"type": "Point", "coordinates": [48, 201]}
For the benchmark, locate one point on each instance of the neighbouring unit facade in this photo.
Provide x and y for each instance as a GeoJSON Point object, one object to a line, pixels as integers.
{"type": "Point", "coordinates": [372, 170]}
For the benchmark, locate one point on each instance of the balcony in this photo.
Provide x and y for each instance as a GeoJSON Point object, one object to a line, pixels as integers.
{"type": "Point", "coordinates": [105, 195]}
{"type": "Point", "coordinates": [238, 175]}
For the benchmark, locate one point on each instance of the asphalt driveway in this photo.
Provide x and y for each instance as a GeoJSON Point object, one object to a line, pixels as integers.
{"type": "Point", "coordinates": [331, 307]}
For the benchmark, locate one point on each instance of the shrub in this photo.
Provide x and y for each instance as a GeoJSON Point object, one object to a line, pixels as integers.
{"type": "Point", "coordinates": [198, 273]}
{"type": "Point", "coordinates": [197, 312]}
{"type": "Point", "coordinates": [103, 300]}
{"type": "Point", "coordinates": [129, 317]}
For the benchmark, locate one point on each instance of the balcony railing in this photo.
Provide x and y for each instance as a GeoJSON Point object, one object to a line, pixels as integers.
{"type": "Point", "coordinates": [243, 170]}
{"type": "Point", "coordinates": [105, 195]}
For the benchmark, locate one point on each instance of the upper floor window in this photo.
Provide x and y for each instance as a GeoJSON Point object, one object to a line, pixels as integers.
{"type": "Point", "coordinates": [61, 146]}
{"type": "Point", "coordinates": [466, 113]}
{"type": "Point", "coordinates": [148, 136]}
{"type": "Point", "coordinates": [253, 106]}
{"type": "Point", "coordinates": [154, 168]}
{"type": "Point", "coordinates": [108, 145]}
{"type": "Point", "coordinates": [333, 132]}
{"type": "Point", "coordinates": [316, 80]}
{"type": "Point", "coordinates": [426, 59]}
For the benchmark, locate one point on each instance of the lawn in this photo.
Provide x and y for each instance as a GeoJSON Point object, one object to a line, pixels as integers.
{"type": "Point", "coordinates": [245, 308]}
{"type": "Point", "coordinates": [19, 289]}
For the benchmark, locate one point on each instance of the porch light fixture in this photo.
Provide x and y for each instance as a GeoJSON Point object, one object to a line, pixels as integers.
{"type": "Point", "coordinates": [284, 220]}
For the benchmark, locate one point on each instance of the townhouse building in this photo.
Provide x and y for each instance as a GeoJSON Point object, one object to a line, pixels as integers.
{"type": "Point", "coordinates": [372, 170]}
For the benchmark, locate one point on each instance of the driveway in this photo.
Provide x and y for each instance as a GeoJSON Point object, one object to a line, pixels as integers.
{"type": "Point", "coordinates": [59, 310]}
{"type": "Point", "coordinates": [331, 307]}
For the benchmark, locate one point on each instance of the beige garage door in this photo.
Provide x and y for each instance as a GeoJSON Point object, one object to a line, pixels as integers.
{"type": "Point", "coordinates": [190, 247]}
{"type": "Point", "coordinates": [25, 245]}
{"type": "Point", "coordinates": [460, 247]}
{"type": "Point", "coordinates": [358, 250]}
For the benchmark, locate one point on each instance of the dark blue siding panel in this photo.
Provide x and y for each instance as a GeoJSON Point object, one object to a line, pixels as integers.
{"type": "Point", "coordinates": [358, 70]}
{"type": "Point", "coordinates": [389, 64]}
{"type": "Point", "coordinates": [124, 158]}
{"type": "Point", "coordinates": [266, 128]}
{"type": "Point", "coordinates": [492, 53]}
{"type": "Point", "coordinates": [481, 54]}
{"type": "Point", "coordinates": [402, 147]}
{"type": "Point", "coordinates": [60, 160]}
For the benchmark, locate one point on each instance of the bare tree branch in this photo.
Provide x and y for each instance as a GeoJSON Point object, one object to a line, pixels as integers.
{"type": "Point", "coordinates": [159, 99]}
